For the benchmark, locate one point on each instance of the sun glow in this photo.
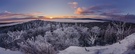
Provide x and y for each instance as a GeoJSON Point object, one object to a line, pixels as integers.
{"type": "Point", "coordinates": [51, 17]}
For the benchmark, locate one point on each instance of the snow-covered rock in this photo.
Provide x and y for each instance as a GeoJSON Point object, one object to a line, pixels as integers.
{"type": "Point", "coordinates": [3, 51]}
{"type": "Point", "coordinates": [118, 48]}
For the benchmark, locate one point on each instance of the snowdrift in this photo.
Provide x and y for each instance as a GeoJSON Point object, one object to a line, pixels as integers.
{"type": "Point", "coordinates": [4, 51]}
{"type": "Point", "coordinates": [121, 47]}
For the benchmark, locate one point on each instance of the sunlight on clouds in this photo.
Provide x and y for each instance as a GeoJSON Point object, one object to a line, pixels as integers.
{"type": "Point", "coordinates": [79, 11]}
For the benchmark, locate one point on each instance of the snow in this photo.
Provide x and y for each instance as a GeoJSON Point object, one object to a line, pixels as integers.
{"type": "Point", "coordinates": [4, 51]}
{"type": "Point", "coordinates": [117, 48]}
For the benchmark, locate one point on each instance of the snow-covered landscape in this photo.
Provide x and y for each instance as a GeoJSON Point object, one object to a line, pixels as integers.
{"type": "Point", "coordinates": [67, 27]}
{"type": "Point", "coordinates": [124, 47]}
{"type": "Point", "coordinates": [56, 37]}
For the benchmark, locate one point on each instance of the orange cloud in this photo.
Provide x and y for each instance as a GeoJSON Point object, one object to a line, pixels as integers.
{"type": "Point", "coordinates": [79, 11]}
{"type": "Point", "coordinates": [83, 11]}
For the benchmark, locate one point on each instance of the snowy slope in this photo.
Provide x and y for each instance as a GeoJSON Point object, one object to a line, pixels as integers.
{"type": "Point", "coordinates": [117, 48]}
{"type": "Point", "coordinates": [3, 51]}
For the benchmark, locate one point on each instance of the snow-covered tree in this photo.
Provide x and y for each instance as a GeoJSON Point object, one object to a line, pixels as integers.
{"type": "Point", "coordinates": [121, 30]}
{"type": "Point", "coordinates": [37, 46]}
{"type": "Point", "coordinates": [63, 38]}
{"type": "Point", "coordinates": [13, 36]}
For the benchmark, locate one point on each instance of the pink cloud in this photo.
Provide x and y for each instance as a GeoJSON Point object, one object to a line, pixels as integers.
{"type": "Point", "coordinates": [83, 11]}
{"type": "Point", "coordinates": [8, 14]}
{"type": "Point", "coordinates": [101, 10]}
{"type": "Point", "coordinates": [35, 13]}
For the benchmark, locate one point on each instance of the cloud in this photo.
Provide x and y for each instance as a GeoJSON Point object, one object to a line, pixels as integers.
{"type": "Point", "coordinates": [79, 11]}
{"type": "Point", "coordinates": [73, 4]}
{"type": "Point", "coordinates": [36, 13]}
{"type": "Point", "coordinates": [83, 11]}
{"type": "Point", "coordinates": [101, 10]}
{"type": "Point", "coordinates": [113, 13]}
{"type": "Point", "coordinates": [96, 9]}
{"type": "Point", "coordinates": [108, 13]}
{"type": "Point", "coordinates": [8, 14]}
{"type": "Point", "coordinates": [100, 7]}
{"type": "Point", "coordinates": [11, 15]}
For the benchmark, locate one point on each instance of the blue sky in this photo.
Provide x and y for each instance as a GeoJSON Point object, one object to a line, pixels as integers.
{"type": "Point", "coordinates": [68, 7]}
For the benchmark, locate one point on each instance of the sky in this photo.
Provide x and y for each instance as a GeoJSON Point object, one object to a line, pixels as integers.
{"type": "Point", "coordinates": [66, 8]}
